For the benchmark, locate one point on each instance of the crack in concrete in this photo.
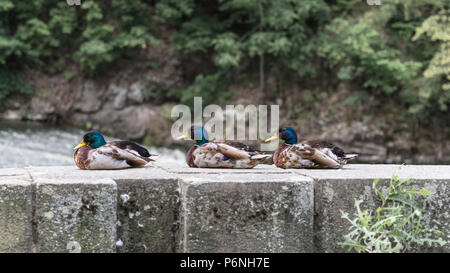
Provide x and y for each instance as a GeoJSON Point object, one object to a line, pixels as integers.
{"type": "Point", "coordinates": [182, 218]}
{"type": "Point", "coordinates": [34, 222]}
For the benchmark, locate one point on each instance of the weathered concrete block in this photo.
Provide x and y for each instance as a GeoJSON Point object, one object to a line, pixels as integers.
{"type": "Point", "coordinates": [246, 213]}
{"type": "Point", "coordinates": [330, 197]}
{"type": "Point", "coordinates": [334, 195]}
{"type": "Point", "coordinates": [15, 215]}
{"type": "Point", "coordinates": [147, 211]}
{"type": "Point", "coordinates": [76, 215]}
{"type": "Point", "coordinates": [437, 211]}
{"type": "Point", "coordinates": [146, 204]}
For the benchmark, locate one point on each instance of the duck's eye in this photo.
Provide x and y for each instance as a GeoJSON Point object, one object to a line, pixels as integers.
{"type": "Point", "coordinates": [87, 138]}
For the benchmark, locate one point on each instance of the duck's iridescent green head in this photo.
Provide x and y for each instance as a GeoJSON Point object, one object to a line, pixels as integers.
{"type": "Point", "coordinates": [197, 133]}
{"type": "Point", "coordinates": [94, 139]}
{"type": "Point", "coordinates": [285, 133]}
{"type": "Point", "coordinates": [288, 134]}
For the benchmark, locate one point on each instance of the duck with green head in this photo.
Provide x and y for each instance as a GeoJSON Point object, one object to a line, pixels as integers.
{"type": "Point", "coordinates": [227, 154]}
{"type": "Point", "coordinates": [94, 153]}
{"type": "Point", "coordinates": [307, 154]}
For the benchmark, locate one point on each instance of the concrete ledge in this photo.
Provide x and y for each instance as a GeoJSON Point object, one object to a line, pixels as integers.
{"type": "Point", "coordinates": [15, 211]}
{"type": "Point", "coordinates": [231, 213]}
{"type": "Point", "coordinates": [169, 207]}
{"type": "Point", "coordinates": [336, 190]}
{"type": "Point", "coordinates": [147, 213]}
{"type": "Point", "coordinates": [76, 215]}
{"type": "Point", "coordinates": [334, 195]}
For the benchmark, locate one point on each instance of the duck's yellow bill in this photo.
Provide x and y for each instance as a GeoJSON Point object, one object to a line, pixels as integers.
{"type": "Point", "coordinates": [275, 136]}
{"type": "Point", "coordinates": [184, 136]}
{"type": "Point", "coordinates": [80, 145]}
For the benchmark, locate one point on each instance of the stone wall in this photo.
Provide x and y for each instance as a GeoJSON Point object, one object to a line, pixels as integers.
{"type": "Point", "coordinates": [168, 207]}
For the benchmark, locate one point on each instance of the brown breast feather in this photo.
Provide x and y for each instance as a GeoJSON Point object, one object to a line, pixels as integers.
{"type": "Point", "coordinates": [81, 157]}
{"type": "Point", "coordinates": [276, 155]}
{"type": "Point", "coordinates": [190, 157]}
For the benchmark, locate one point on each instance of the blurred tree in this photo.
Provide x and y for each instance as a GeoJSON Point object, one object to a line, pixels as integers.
{"type": "Point", "coordinates": [437, 27]}
{"type": "Point", "coordinates": [97, 34]}
{"type": "Point", "coordinates": [397, 51]}
{"type": "Point", "coordinates": [238, 34]}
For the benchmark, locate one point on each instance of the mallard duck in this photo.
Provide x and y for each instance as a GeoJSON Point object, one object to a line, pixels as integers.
{"type": "Point", "coordinates": [307, 154]}
{"type": "Point", "coordinates": [228, 154]}
{"type": "Point", "coordinates": [93, 153]}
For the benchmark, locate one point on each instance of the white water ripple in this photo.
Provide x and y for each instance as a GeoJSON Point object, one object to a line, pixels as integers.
{"type": "Point", "coordinates": [29, 144]}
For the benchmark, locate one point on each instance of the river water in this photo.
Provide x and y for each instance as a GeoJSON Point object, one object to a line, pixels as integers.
{"type": "Point", "coordinates": [25, 144]}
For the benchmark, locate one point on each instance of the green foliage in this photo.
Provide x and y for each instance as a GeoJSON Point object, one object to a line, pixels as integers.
{"type": "Point", "coordinates": [437, 27]}
{"type": "Point", "coordinates": [11, 83]}
{"type": "Point", "coordinates": [106, 40]}
{"type": "Point", "coordinates": [395, 226]}
{"type": "Point", "coordinates": [93, 35]}
{"type": "Point", "coordinates": [237, 31]}
{"type": "Point", "coordinates": [360, 54]}
{"type": "Point", "coordinates": [398, 51]}
{"type": "Point", "coordinates": [383, 51]}
{"type": "Point", "coordinates": [206, 87]}
{"type": "Point", "coordinates": [370, 47]}
{"type": "Point", "coordinates": [233, 35]}
{"type": "Point", "coordinates": [228, 50]}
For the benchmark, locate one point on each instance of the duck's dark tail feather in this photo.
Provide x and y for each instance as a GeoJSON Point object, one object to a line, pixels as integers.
{"type": "Point", "coordinates": [131, 147]}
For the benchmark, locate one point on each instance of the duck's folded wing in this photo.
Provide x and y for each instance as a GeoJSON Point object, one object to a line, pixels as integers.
{"type": "Point", "coordinates": [320, 144]}
{"type": "Point", "coordinates": [232, 152]}
{"type": "Point", "coordinates": [308, 152]}
{"type": "Point", "coordinates": [240, 146]}
{"type": "Point", "coordinates": [110, 153]}
{"type": "Point", "coordinates": [131, 147]}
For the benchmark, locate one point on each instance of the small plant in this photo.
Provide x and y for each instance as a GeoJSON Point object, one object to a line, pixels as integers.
{"type": "Point", "coordinates": [395, 226]}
